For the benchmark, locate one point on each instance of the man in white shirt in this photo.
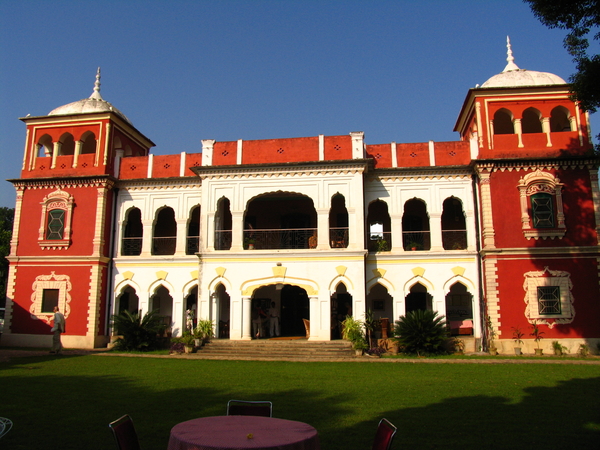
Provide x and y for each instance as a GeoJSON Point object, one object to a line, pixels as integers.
{"type": "Point", "coordinates": [57, 329]}
{"type": "Point", "coordinates": [273, 320]}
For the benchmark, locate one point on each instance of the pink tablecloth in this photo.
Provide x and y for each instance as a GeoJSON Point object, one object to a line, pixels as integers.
{"type": "Point", "coordinates": [243, 432]}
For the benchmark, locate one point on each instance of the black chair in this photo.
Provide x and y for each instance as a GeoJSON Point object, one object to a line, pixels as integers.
{"type": "Point", "coordinates": [249, 408]}
{"type": "Point", "coordinates": [5, 426]}
{"type": "Point", "coordinates": [384, 436]}
{"type": "Point", "coordinates": [124, 433]}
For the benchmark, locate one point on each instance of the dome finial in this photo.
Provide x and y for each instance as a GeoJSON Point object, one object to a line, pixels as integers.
{"type": "Point", "coordinates": [509, 58]}
{"type": "Point", "coordinates": [96, 94]}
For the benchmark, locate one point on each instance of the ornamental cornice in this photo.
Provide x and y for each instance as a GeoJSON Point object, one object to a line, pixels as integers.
{"type": "Point", "coordinates": [278, 170]}
{"type": "Point", "coordinates": [591, 164]}
{"type": "Point", "coordinates": [145, 184]}
{"type": "Point", "coordinates": [62, 258]}
{"type": "Point", "coordinates": [424, 174]}
{"type": "Point", "coordinates": [64, 183]}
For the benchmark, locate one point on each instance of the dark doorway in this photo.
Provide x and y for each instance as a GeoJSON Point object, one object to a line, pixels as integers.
{"type": "Point", "coordinates": [294, 308]}
{"type": "Point", "coordinates": [418, 299]}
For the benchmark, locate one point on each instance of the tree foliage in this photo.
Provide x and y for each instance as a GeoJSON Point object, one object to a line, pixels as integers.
{"type": "Point", "coordinates": [140, 334]}
{"type": "Point", "coordinates": [582, 19]}
{"type": "Point", "coordinates": [6, 226]}
{"type": "Point", "coordinates": [421, 331]}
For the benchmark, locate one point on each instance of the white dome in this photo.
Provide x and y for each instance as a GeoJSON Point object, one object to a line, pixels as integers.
{"type": "Point", "coordinates": [94, 104]}
{"type": "Point", "coordinates": [522, 77]}
{"type": "Point", "coordinates": [512, 76]}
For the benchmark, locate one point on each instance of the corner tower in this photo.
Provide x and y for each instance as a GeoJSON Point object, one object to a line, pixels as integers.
{"type": "Point", "coordinates": [60, 250]}
{"type": "Point", "coordinates": [537, 190]}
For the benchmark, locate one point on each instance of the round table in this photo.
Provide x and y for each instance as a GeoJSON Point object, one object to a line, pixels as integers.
{"type": "Point", "coordinates": [243, 432]}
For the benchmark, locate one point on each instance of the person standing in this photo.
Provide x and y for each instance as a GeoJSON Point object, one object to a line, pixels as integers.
{"type": "Point", "coordinates": [273, 320]}
{"type": "Point", "coordinates": [257, 318]}
{"type": "Point", "coordinates": [57, 329]}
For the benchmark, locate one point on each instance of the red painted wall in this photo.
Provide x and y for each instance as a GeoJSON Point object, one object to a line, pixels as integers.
{"type": "Point", "coordinates": [337, 147]}
{"type": "Point", "coordinates": [452, 153]}
{"type": "Point", "coordinates": [280, 150]}
{"type": "Point", "coordinates": [84, 213]}
{"type": "Point", "coordinates": [381, 154]}
{"type": "Point", "coordinates": [133, 167]}
{"type": "Point", "coordinates": [584, 275]}
{"type": "Point", "coordinates": [224, 153]}
{"type": "Point", "coordinates": [166, 166]}
{"type": "Point", "coordinates": [77, 320]}
{"type": "Point", "coordinates": [413, 155]}
{"type": "Point", "coordinates": [577, 204]}
{"type": "Point", "coordinates": [192, 160]}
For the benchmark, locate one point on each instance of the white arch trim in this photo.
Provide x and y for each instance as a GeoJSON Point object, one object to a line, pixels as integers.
{"type": "Point", "coordinates": [459, 279]}
{"type": "Point", "coordinates": [248, 287]}
{"type": "Point", "coordinates": [418, 279]}
{"type": "Point", "coordinates": [121, 285]}
{"type": "Point", "coordinates": [382, 281]}
{"type": "Point", "coordinates": [157, 283]}
{"type": "Point", "coordinates": [340, 279]}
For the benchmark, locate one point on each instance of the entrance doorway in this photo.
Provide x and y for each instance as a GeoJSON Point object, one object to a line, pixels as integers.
{"type": "Point", "coordinates": [294, 308]}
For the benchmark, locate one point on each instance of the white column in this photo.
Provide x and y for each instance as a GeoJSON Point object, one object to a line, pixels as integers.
{"type": "Point", "coordinates": [314, 316]}
{"type": "Point", "coordinates": [181, 242]}
{"type": "Point", "coordinates": [397, 241]}
{"type": "Point", "coordinates": [147, 239]}
{"type": "Point", "coordinates": [246, 322]}
{"type": "Point", "coordinates": [435, 227]}
{"type": "Point", "coordinates": [78, 145]}
{"type": "Point", "coordinates": [323, 228]}
{"type": "Point", "coordinates": [237, 230]}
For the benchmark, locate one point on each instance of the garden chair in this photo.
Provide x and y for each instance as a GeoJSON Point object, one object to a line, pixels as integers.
{"type": "Point", "coordinates": [124, 433]}
{"type": "Point", "coordinates": [5, 426]}
{"type": "Point", "coordinates": [384, 436]}
{"type": "Point", "coordinates": [249, 408]}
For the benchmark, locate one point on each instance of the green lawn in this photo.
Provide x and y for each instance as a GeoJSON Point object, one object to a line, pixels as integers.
{"type": "Point", "coordinates": [67, 402]}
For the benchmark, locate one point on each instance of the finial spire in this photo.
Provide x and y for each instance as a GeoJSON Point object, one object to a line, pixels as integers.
{"type": "Point", "coordinates": [96, 94]}
{"type": "Point", "coordinates": [509, 58]}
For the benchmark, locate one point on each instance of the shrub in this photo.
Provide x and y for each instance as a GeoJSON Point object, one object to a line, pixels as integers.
{"type": "Point", "coordinates": [140, 334]}
{"type": "Point", "coordinates": [421, 332]}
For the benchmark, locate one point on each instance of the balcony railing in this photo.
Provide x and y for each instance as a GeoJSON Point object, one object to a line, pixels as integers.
{"type": "Point", "coordinates": [338, 237]}
{"type": "Point", "coordinates": [280, 239]}
{"type": "Point", "coordinates": [416, 240]}
{"type": "Point", "coordinates": [454, 239]}
{"type": "Point", "coordinates": [222, 239]}
{"type": "Point", "coordinates": [131, 246]}
{"type": "Point", "coordinates": [380, 241]}
{"type": "Point", "coordinates": [192, 245]}
{"type": "Point", "coordinates": [164, 245]}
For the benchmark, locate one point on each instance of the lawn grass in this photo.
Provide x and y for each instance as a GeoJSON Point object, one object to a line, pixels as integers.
{"type": "Point", "coordinates": [67, 402]}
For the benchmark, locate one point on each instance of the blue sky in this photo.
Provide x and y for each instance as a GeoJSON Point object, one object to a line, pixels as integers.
{"type": "Point", "coordinates": [183, 71]}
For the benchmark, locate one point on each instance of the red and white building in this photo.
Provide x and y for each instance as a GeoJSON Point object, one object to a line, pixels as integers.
{"type": "Point", "coordinates": [501, 223]}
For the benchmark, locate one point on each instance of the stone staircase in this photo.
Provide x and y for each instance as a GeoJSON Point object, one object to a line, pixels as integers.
{"type": "Point", "coordinates": [276, 349]}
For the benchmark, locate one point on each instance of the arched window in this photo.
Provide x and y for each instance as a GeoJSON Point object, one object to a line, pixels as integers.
{"type": "Point", "coordinates": [128, 301]}
{"type": "Point", "coordinates": [193, 232]}
{"type": "Point", "coordinates": [88, 143]}
{"type": "Point", "coordinates": [503, 122]}
{"type": "Point", "coordinates": [541, 205]}
{"type": "Point", "coordinates": [379, 227]}
{"type": "Point", "coordinates": [531, 121]}
{"type": "Point", "coordinates": [415, 226]}
{"type": "Point", "coordinates": [165, 233]}
{"type": "Point", "coordinates": [45, 146]}
{"type": "Point", "coordinates": [133, 232]}
{"type": "Point", "coordinates": [338, 222]}
{"type": "Point", "coordinates": [454, 228]}
{"type": "Point", "coordinates": [55, 226]}
{"type": "Point", "coordinates": [223, 223]}
{"type": "Point", "coordinates": [560, 120]}
{"type": "Point", "coordinates": [67, 144]}
{"type": "Point", "coordinates": [459, 309]}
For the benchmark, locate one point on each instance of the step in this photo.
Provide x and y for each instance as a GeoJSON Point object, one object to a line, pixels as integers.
{"type": "Point", "coordinates": [276, 349]}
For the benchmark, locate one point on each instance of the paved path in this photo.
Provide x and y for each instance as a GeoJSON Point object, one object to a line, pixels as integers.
{"type": "Point", "coordinates": [9, 354]}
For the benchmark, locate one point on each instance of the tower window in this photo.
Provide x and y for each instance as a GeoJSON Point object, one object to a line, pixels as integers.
{"type": "Point", "coordinates": [549, 300]}
{"type": "Point", "coordinates": [56, 224]}
{"type": "Point", "coordinates": [543, 211]}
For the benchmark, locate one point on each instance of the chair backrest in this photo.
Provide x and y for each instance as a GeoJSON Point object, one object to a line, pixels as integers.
{"type": "Point", "coordinates": [124, 433]}
{"type": "Point", "coordinates": [384, 436]}
{"type": "Point", "coordinates": [5, 426]}
{"type": "Point", "coordinates": [249, 408]}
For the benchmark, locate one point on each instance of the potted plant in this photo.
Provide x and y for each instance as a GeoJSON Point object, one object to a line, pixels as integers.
{"type": "Point", "coordinates": [204, 331]}
{"type": "Point", "coordinates": [382, 245]}
{"type": "Point", "coordinates": [187, 339]}
{"type": "Point", "coordinates": [491, 335]}
{"type": "Point", "coordinates": [354, 332]}
{"type": "Point", "coordinates": [249, 243]}
{"type": "Point", "coordinates": [559, 349]}
{"type": "Point", "coordinates": [518, 338]}
{"type": "Point", "coordinates": [537, 337]}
